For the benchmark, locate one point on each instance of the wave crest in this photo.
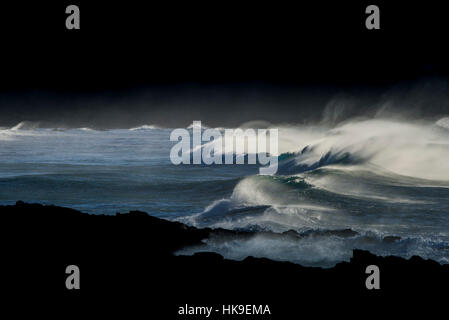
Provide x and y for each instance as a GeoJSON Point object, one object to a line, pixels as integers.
{"type": "Point", "coordinates": [26, 125]}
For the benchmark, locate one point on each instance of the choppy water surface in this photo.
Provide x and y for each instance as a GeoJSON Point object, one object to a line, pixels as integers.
{"type": "Point", "coordinates": [374, 184]}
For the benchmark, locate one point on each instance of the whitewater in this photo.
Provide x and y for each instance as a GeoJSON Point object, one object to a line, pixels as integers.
{"type": "Point", "coordinates": [377, 184]}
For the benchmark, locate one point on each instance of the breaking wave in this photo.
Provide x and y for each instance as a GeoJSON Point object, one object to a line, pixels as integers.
{"type": "Point", "coordinates": [385, 182]}
{"type": "Point", "coordinates": [145, 127]}
{"type": "Point", "coordinates": [25, 125]}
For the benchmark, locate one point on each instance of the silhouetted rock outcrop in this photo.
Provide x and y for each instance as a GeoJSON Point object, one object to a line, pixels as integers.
{"type": "Point", "coordinates": [127, 265]}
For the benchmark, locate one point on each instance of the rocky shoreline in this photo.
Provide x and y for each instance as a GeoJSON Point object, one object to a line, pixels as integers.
{"type": "Point", "coordinates": [128, 259]}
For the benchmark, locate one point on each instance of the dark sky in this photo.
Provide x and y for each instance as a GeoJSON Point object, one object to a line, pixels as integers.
{"type": "Point", "coordinates": [221, 61]}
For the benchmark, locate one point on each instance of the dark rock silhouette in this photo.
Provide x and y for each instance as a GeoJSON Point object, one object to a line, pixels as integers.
{"type": "Point", "coordinates": [127, 267]}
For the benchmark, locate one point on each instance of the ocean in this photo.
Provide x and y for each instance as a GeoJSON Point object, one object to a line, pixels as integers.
{"type": "Point", "coordinates": [375, 184]}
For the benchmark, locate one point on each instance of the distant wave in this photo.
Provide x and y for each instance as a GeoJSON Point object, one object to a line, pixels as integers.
{"type": "Point", "coordinates": [443, 123]}
{"type": "Point", "coordinates": [33, 125]}
{"type": "Point", "coordinates": [145, 127]}
{"type": "Point", "coordinates": [85, 129]}
{"type": "Point", "coordinates": [25, 125]}
{"type": "Point", "coordinates": [203, 126]}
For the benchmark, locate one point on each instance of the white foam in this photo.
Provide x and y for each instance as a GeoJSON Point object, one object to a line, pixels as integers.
{"type": "Point", "coordinates": [144, 127]}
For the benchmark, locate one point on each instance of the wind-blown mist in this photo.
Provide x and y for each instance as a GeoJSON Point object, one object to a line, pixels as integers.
{"type": "Point", "coordinates": [225, 105]}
